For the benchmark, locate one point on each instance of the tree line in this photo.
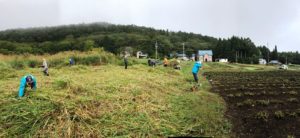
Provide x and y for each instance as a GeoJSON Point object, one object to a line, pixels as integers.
{"type": "Point", "coordinates": [116, 38]}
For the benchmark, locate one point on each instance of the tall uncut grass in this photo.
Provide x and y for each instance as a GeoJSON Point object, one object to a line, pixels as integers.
{"type": "Point", "coordinates": [95, 57]}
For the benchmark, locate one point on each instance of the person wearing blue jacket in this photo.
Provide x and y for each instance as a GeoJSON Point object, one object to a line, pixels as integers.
{"type": "Point", "coordinates": [196, 68]}
{"type": "Point", "coordinates": [27, 81]}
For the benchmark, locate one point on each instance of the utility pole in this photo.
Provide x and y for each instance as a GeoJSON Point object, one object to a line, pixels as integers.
{"type": "Point", "coordinates": [156, 46]}
{"type": "Point", "coordinates": [236, 56]}
{"type": "Point", "coordinates": [182, 49]}
{"type": "Point", "coordinates": [268, 53]}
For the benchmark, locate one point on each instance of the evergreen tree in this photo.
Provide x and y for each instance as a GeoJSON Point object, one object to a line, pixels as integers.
{"type": "Point", "coordinates": [274, 54]}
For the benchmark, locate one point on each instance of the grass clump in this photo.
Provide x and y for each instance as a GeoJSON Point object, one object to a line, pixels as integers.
{"type": "Point", "coordinates": [262, 115]}
{"type": "Point", "coordinates": [263, 102]}
{"type": "Point", "coordinates": [249, 102]}
{"type": "Point", "coordinates": [279, 114]}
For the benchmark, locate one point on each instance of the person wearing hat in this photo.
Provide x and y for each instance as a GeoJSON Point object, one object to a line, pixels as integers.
{"type": "Point", "coordinates": [27, 81]}
{"type": "Point", "coordinates": [45, 67]}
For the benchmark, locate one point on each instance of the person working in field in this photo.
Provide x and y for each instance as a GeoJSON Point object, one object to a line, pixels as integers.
{"type": "Point", "coordinates": [196, 68]}
{"type": "Point", "coordinates": [177, 64]}
{"type": "Point", "coordinates": [126, 60]}
{"type": "Point", "coordinates": [27, 81]}
{"type": "Point", "coordinates": [166, 62]}
{"type": "Point", "coordinates": [45, 67]}
{"type": "Point", "coordinates": [149, 61]}
{"type": "Point", "coordinates": [71, 62]}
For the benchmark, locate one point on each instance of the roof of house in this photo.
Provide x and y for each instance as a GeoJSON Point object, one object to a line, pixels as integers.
{"type": "Point", "coordinates": [274, 62]}
{"type": "Point", "coordinates": [203, 52]}
{"type": "Point", "coordinates": [181, 55]}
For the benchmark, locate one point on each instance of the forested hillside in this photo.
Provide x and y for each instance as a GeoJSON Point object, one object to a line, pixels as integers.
{"type": "Point", "coordinates": [116, 38]}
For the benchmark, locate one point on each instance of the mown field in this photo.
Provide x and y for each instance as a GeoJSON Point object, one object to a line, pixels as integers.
{"type": "Point", "coordinates": [105, 100]}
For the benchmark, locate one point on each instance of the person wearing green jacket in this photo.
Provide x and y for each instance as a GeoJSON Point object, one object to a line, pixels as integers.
{"type": "Point", "coordinates": [27, 81]}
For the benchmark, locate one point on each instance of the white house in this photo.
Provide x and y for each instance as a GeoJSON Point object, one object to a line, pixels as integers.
{"type": "Point", "coordinates": [223, 60]}
{"type": "Point", "coordinates": [262, 61]}
{"type": "Point", "coordinates": [140, 54]}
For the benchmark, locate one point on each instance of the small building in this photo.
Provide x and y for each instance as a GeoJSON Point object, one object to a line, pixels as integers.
{"type": "Point", "coordinates": [274, 62]}
{"type": "Point", "coordinates": [262, 61]}
{"type": "Point", "coordinates": [205, 55]}
{"type": "Point", "coordinates": [140, 54]}
{"type": "Point", "coordinates": [223, 60]}
{"type": "Point", "coordinates": [182, 56]}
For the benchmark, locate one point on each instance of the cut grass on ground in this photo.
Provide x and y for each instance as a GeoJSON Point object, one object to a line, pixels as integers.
{"type": "Point", "coordinates": [108, 101]}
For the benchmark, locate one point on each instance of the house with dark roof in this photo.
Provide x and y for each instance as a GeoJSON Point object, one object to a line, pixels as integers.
{"type": "Point", "coordinates": [205, 55]}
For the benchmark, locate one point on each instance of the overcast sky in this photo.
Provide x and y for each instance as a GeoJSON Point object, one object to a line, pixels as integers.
{"type": "Point", "coordinates": [272, 22]}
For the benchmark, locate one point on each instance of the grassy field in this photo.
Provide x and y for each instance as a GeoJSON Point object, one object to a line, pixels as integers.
{"type": "Point", "coordinates": [109, 101]}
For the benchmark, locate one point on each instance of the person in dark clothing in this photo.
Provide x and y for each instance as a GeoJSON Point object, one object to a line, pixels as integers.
{"type": "Point", "coordinates": [149, 62]}
{"type": "Point", "coordinates": [153, 63]}
{"type": "Point", "coordinates": [125, 61]}
{"type": "Point", "coordinates": [71, 62]}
